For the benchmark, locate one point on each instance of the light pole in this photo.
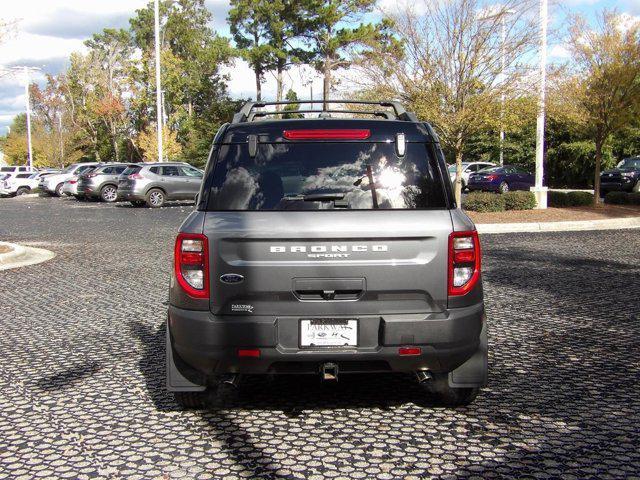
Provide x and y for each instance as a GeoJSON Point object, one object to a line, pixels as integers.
{"type": "Point", "coordinates": [159, 121]}
{"type": "Point", "coordinates": [540, 191]}
{"type": "Point", "coordinates": [25, 71]}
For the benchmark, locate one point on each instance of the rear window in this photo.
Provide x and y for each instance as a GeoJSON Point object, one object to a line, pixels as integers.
{"type": "Point", "coordinates": [327, 175]}
{"type": "Point", "coordinates": [131, 170]}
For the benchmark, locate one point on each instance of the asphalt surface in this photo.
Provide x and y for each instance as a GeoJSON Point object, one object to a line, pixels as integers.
{"type": "Point", "coordinates": [82, 369]}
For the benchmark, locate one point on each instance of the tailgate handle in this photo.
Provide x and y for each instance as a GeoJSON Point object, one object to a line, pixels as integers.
{"type": "Point", "coordinates": [332, 289]}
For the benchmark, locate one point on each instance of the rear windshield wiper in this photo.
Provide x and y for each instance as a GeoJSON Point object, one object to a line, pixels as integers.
{"type": "Point", "coordinates": [315, 197]}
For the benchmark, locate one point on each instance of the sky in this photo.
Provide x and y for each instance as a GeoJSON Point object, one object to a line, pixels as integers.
{"type": "Point", "coordinates": [47, 31]}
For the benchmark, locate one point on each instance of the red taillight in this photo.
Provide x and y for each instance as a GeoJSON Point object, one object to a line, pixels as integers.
{"type": "Point", "coordinates": [73, 182]}
{"type": "Point", "coordinates": [464, 262]}
{"type": "Point", "coordinates": [328, 134]}
{"type": "Point", "coordinates": [491, 178]}
{"type": "Point", "coordinates": [409, 351]}
{"type": "Point", "coordinates": [249, 352]}
{"type": "Point", "coordinates": [91, 175]}
{"type": "Point", "coordinates": [191, 264]}
{"type": "Point", "coordinates": [135, 176]}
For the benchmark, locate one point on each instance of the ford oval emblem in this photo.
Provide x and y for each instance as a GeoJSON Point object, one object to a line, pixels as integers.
{"type": "Point", "coordinates": [231, 278]}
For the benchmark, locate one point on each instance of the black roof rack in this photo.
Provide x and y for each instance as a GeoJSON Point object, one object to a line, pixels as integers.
{"type": "Point", "coordinates": [247, 113]}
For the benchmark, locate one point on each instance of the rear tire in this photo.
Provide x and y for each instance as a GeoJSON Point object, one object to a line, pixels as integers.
{"type": "Point", "coordinates": [192, 400]}
{"type": "Point", "coordinates": [155, 198]}
{"type": "Point", "coordinates": [109, 193]}
{"type": "Point", "coordinates": [22, 191]}
{"type": "Point", "coordinates": [443, 395]}
{"type": "Point", "coordinates": [58, 190]}
{"type": "Point", "coordinates": [504, 187]}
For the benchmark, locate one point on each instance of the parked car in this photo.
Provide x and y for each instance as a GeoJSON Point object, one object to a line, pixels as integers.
{"type": "Point", "coordinates": [53, 184]}
{"type": "Point", "coordinates": [19, 184]}
{"type": "Point", "coordinates": [468, 168]}
{"type": "Point", "coordinates": [154, 184]}
{"type": "Point", "coordinates": [625, 177]}
{"type": "Point", "coordinates": [101, 182]}
{"type": "Point", "coordinates": [326, 246]}
{"type": "Point", "coordinates": [501, 179]}
{"type": "Point", "coordinates": [15, 169]}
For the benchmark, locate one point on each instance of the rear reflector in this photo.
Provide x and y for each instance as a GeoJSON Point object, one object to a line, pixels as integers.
{"type": "Point", "coordinates": [409, 351]}
{"type": "Point", "coordinates": [328, 134]}
{"type": "Point", "coordinates": [249, 352]}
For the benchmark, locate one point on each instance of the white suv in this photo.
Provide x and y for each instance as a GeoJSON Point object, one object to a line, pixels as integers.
{"type": "Point", "coordinates": [467, 169]}
{"type": "Point", "coordinates": [19, 184]}
{"type": "Point", "coordinates": [53, 184]}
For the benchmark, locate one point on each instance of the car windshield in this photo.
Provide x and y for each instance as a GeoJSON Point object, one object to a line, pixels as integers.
{"type": "Point", "coordinates": [131, 170]}
{"type": "Point", "coordinates": [330, 175]}
{"type": "Point", "coordinates": [6, 169]}
{"type": "Point", "coordinates": [630, 163]}
{"type": "Point", "coordinates": [69, 169]}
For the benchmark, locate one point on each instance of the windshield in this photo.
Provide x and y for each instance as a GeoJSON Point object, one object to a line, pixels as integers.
{"type": "Point", "coordinates": [69, 169]}
{"type": "Point", "coordinates": [7, 169]}
{"type": "Point", "coordinates": [312, 176]}
{"type": "Point", "coordinates": [630, 163]}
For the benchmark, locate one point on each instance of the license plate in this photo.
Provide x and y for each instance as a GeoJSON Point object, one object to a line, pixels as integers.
{"type": "Point", "coordinates": [329, 333]}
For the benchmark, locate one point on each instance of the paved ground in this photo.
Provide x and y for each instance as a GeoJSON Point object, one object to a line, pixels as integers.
{"type": "Point", "coordinates": [82, 369]}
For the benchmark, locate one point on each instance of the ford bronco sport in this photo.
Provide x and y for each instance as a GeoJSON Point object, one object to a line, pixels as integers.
{"type": "Point", "coordinates": [326, 246]}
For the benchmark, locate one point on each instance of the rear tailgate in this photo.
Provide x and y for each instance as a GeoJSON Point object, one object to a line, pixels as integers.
{"type": "Point", "coordinates": [325, 263]}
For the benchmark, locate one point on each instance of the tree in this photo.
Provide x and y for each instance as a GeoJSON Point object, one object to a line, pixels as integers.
{"type": "Point", "coordinates": [148, 143]}
{"type": "Point", "coordinates": [605, 86]}
{"type": "Point", "coordinates": [250, 34]}
{"type": "Point", "coordinates": [195, 93]}
{"type": "Point", "coordinates": [327, 34]}
{"type": "Point", "coordinates": [292, 96]}
{"type": "Point", "coordinates": [449, 70]}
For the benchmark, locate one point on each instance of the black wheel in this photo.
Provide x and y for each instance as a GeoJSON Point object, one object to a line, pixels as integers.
{"type": "Point", "coordinates": [58, 190]}
{"type": "Point", "coordinates": [138, 203]}
{"type": "Point", "coordinates": [155, 198]}
{"type": "Point", "coordinates": [109, 193]}
{"type": "Point", "coordinates": [504, 187]}
{"type": "Point", "coordinates": [22, 191]}
{"type": "Point", "coordinates": [445, 396]}
{"type": "Point", "coordinates": [192, 400]}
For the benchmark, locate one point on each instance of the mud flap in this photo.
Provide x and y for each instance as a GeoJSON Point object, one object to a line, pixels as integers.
{"type": "Point", "coordinates": [176, 381]}
{"type": "Point", "coordinates": [473, 372]}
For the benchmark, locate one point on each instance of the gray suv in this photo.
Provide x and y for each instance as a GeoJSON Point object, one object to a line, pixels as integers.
{"type": "Point", "coordinates": [154, 184]}
{"type": "Point", "coordinates": [326, 246]}
{"type": "Point", "coordinates": [102, 182]}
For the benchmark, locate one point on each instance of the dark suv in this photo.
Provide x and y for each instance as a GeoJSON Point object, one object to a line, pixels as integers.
{"type": "Point", "coordinates": [326, 246]}
{"type": "Point", "coordinates": [624, 177]}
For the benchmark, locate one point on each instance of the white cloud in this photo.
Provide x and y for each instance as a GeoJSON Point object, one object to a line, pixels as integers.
{"type": "Point", "coordinates": [559, 52]}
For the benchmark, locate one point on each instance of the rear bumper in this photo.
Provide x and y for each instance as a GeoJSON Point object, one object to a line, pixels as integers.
{"type": "Point", "coordinates": [624, 186]}
{"type": "Point", "coordinates": [208, 344]}
{"type": "Point", "coordinates": [485, 187]}
{"type": "Point", "coordinates": [127, 194]}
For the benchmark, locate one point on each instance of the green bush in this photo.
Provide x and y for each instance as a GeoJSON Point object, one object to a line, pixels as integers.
{"type": "Point", "coordinates": [622, 198]}
{"type": "Point", "coordinates": [569, 199]}
{"type": "Point", "coordinates": [519, 201]}
{"type": "Point", "coordinates": [580, 199]}
{"type": "Point", "coordinates": [484, 202]}
{"type": "Point", "coordinates": [557, 199]}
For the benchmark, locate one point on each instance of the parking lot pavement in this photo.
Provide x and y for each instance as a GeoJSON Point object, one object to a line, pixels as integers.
{"type": "Point", "coordinates": [82, 369]}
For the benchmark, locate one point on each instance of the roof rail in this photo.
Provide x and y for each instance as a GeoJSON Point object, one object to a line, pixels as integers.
{"type": "Point", "coordinates": [246, 113]}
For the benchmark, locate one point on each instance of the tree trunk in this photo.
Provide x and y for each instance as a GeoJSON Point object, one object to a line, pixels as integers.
{"type": "Point", "coordinates": [326, 84]}
{"type": "Point", "coordinates": [279, 83]}
{"type": "Point", "coordinates": [596, 180]}
{"type": "Point", "coordinates": [258, 87]}
{"type": "Point", "coordinates": [458, 182]}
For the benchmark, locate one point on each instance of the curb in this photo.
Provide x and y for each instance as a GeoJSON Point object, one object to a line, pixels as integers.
{"type": "Point", "coordinates": [20, 256]}
{"type": "Point", "coordinates": [570, 226]}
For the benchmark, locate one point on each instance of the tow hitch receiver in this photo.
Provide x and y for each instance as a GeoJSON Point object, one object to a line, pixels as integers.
{"type": "Point", "coordinates": [329, 372]}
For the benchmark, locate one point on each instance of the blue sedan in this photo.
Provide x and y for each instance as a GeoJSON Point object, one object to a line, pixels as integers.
{"type": "Point", "coordinates": [501, 179]}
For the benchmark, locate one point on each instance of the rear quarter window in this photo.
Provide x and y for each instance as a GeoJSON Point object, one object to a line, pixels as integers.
{"type": "Point", "coordinates": [349, 175]}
